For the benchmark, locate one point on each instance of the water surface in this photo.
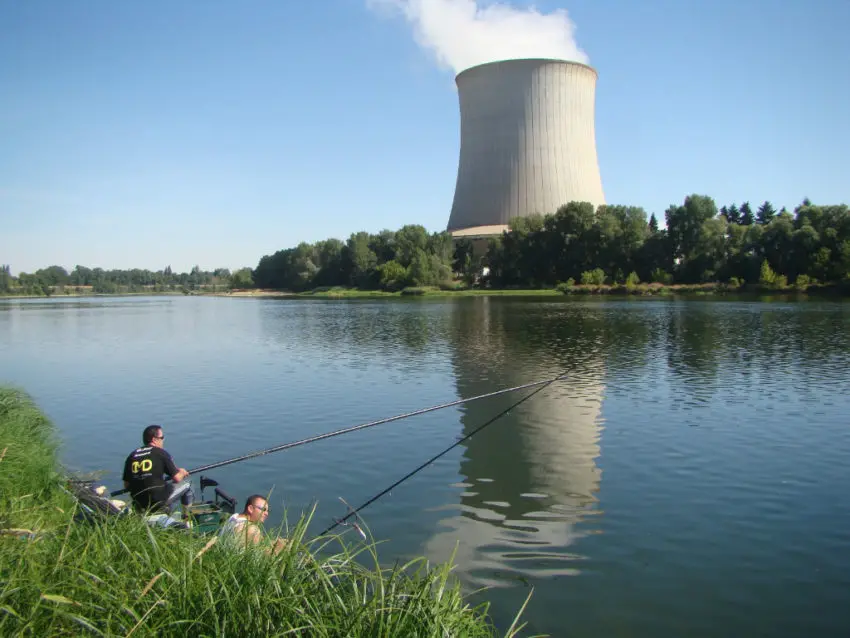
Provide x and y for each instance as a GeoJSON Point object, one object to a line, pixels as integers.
{"type": "Point", "coordinates": [689, 476]}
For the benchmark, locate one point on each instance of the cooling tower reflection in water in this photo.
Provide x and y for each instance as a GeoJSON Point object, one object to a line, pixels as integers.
{"type": "Point", "coordinates": [531, 477]}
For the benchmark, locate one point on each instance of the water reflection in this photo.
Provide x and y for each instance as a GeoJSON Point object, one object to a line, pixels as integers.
{"type": "Point", "coordinates": [531, 478]}
{"type": "Point", "coordinates": [715, 350]}
{"type": "Point", "coordinates": [724, 450]}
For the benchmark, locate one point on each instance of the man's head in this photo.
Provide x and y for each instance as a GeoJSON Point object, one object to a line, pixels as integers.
{"type": "Point", "coordinates": [153, 436]}
{"type": "Point", "coordinates": [256, 508]}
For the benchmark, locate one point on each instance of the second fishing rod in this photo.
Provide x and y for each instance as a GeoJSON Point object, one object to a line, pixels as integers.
{"type": "Point", "coordinates": [362, 426]}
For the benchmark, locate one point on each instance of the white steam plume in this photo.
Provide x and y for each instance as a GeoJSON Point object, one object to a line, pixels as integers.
{"type": "Point", "coordinates": [462, 34]}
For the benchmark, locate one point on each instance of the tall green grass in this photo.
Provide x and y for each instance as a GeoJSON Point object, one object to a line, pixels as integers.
{"type": "Point", "coordinates": [120, 577]}
{"type": "Point", "coordinates": [29, 493]}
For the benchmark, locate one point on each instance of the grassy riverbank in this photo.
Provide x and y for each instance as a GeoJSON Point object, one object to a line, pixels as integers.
{"type": "Point", "coordinates": [653, 289]}
{"type": "Point", "coordinates": [425, 291]}
{"type": "Point", "coordinates": [646, 290]}
{"type": "Point", "coordinates": [121, 577]}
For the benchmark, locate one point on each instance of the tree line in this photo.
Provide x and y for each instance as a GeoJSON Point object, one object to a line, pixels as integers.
{"type": "Point", "coordinates": [700, 244]}
{"type": "Point", "coordinates": [57, 280]}
{"type": "Point", "coordinates": [578, 243]}
{"type": "Point", "coordinates": [388, 260]}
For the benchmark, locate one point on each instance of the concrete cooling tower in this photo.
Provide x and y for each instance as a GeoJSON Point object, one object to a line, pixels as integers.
{"type": "Point", "coordinates": [527, 142]}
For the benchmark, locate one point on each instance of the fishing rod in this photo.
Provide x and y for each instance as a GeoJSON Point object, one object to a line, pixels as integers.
{"type": "Point", "coordinates": [354, 511]}
{"type": "Point", "coordinates": [362, 426]}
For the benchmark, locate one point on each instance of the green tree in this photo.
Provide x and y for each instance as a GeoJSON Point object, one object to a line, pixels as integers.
{"type": "Point", "coordinates": [733, 215]}
{"type": "Point", "coordinates": [571, 244]}
{"type": "Point", "coordinates": [384, 245]}
{"type": "Point", "coordinates": [709, 255]}
{"type": "Point", "coordinates": [242, 278]}
{"type": "Point", "coordinates": [653, 224]}
{"type": "Point", "coordinates": [81, 276]}
{"type": "Point", "coordinates": [408, 240]}
{"type": "Point", "coordinates": [421, 271]}
{"type": "Point", "coordinates": [777, 245]}
{"type": "Point", "coordinates": [6, 279]}
{"type": "Point", "coordinates": [747, 217]}
{"type": "Point", "coordinates": [53, 276]}
{"type": "Point", "coordinates": [765, 213]}
{"type": "Point", "coordinates": [363, 261]}
{"type": "Point", "coordinates": [304, 266]}
{"type": "Point", "coordinates": [464, 261]}
{"type": "Point", "coordinates": [684, 226]}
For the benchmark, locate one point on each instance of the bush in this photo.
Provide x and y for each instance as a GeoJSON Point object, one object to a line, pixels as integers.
{"type": "Point", "coordinates": [566, 286]}
{"type": "Point", "coordinates": [802, 282]}
{"type": "Point", "coordinates": [595, 277]}
{"type": "Point", "coordinates": [766, 274]}
{"type": "Point", "coordinates": [632, 280]}
{"type": "Point", "coordinates": [661, 276]}
{"type": "Point", "coordinates": [392, 275]}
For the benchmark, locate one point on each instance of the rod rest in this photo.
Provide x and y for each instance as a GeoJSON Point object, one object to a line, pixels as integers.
{"type": "Point", "coordinates": [225, 496]}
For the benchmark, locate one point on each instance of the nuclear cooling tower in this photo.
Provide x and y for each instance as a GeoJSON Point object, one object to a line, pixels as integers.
{"type": "Point", "coordinates": [527, 142]}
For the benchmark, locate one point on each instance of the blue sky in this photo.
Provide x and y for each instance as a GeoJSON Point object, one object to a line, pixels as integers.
{"type": "Point", "coordinates": [212, 133]}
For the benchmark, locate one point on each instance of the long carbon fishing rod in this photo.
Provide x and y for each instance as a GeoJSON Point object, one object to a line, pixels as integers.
{"type": "Point", "coordinates": [362, 426]}
{"type": "Point", "coordinates": [353, 512]}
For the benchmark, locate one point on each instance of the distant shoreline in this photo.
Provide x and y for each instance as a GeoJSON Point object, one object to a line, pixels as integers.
{"type": "Point", "coordinates": [159, 293]}
{"type": "Point", "coordinates": [587, 290]}
{"type": "Point", "coordinates": [578, 290]}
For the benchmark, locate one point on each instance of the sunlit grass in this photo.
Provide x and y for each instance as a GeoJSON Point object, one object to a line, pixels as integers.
{"type": "Point", "coordinates": [120, 577]}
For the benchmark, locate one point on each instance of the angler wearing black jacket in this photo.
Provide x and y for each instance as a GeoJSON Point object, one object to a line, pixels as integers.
{"type": "Point", "coordinates": [144, 471]}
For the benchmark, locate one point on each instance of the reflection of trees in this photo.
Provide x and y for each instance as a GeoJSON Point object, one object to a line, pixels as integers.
{"type": "Point", "coordinates": [726, 346]}
{"type": "Point", "coordinates": [692, 335]}
{"type": "Point", "coordinates": [698, 348]}
{"type": "Point", "coordinates": [391, 333]}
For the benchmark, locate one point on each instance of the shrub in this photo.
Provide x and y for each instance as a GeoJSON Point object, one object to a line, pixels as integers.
{"type": "Point", "coordinates": [393, 276]}
{"type": "Point", "coordinates": [767, 277]}
{"type": "Point", "coordinates": [802, 282]}
{"type": "Point", "coordinates": [661, 276]}
{"type": "Point", "coordinates": [595, 277]}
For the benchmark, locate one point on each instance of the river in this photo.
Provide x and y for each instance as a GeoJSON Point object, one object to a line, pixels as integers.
{"type": "Point", "coordinates": [689, 476]}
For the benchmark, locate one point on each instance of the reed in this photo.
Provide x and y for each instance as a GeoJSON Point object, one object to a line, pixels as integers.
{"type": "Point", "coordinates": [120, 577]}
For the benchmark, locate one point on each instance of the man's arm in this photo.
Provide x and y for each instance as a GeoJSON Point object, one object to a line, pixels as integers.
{"type": "Point", "coordinates": [177, 474]}
{"type": "Point", "coordinates": [252, 532]}
{"type": "Point", "coordinates": [126, 475]}
{"type": "Point", "coordinates": [254, 535]}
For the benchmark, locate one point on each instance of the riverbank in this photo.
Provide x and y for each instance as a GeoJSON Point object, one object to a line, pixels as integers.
{"type": "Point", "coordinates": [654, 289]}
{"type": "Point", "coordinates": [121, 577]}
{"type": "Point", "coordinates": [340, 292]}
{"type": "Point", "coordinates": [425, 291]}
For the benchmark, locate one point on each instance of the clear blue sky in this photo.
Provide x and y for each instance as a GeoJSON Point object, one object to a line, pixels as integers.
{"type": "Point", "coordinates": [142, 134]}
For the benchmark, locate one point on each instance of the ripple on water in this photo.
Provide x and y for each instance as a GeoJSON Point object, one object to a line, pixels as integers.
{"type": "Point", "coordinates": [687, 477]}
